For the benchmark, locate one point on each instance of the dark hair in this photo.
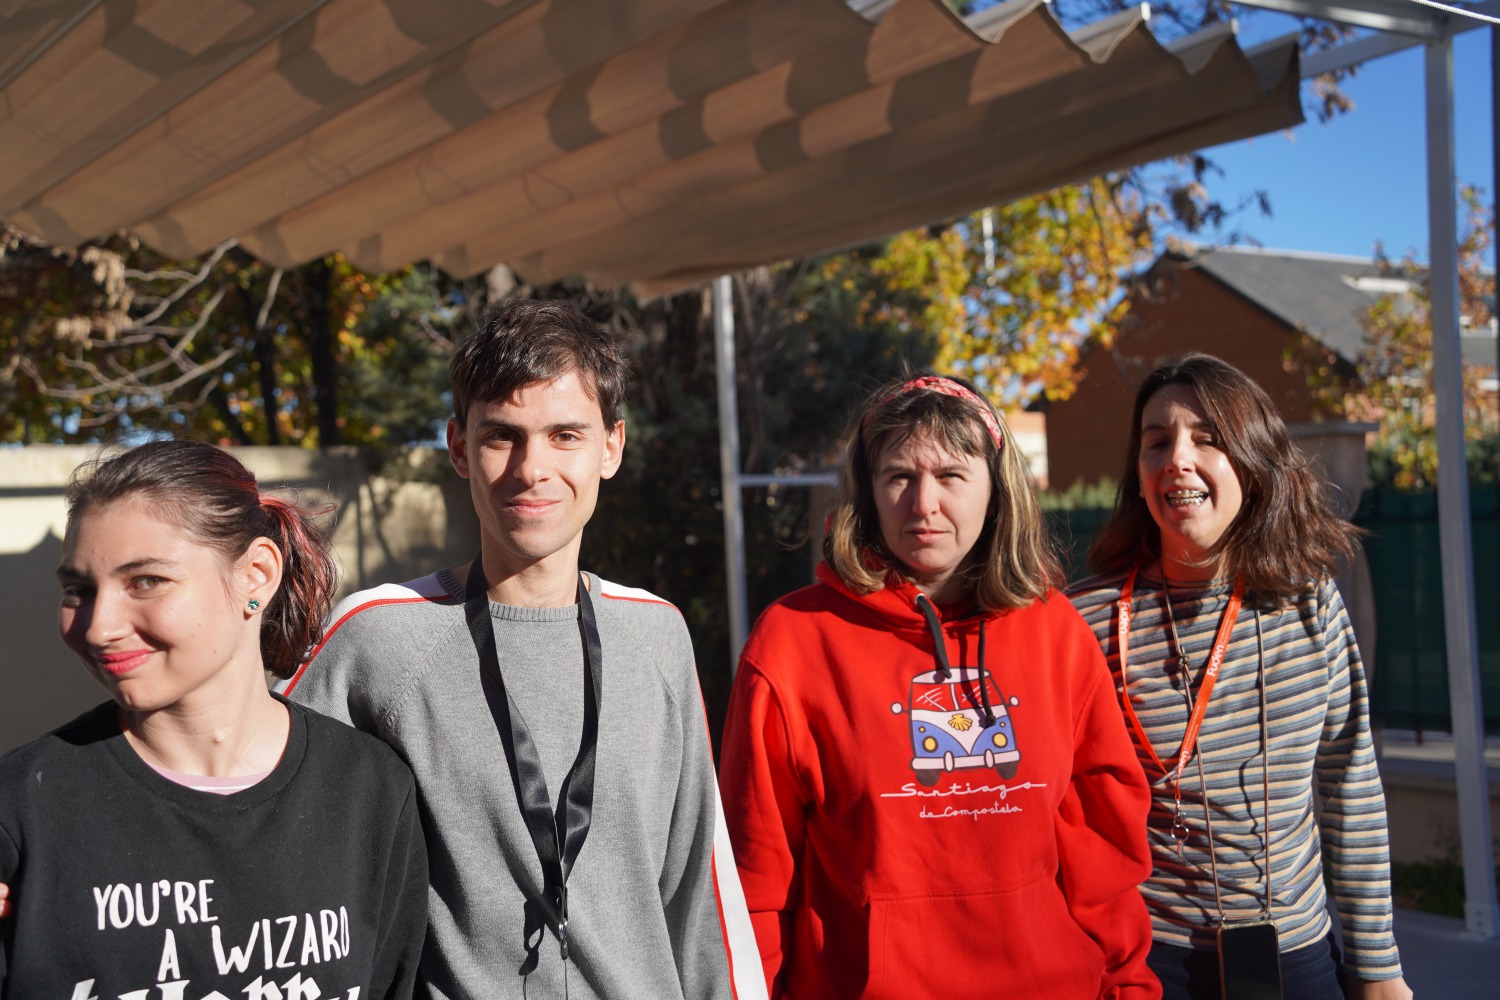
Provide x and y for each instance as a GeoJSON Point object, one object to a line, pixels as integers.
{"type": "Point", "coordinates": [1012, 563]}
{"type": "Point", "coordinates": [525, 341]}
{"type": "Point", "coordinates": [1285, 535]}
{"type": "Point", "coordinates": [212, 496]}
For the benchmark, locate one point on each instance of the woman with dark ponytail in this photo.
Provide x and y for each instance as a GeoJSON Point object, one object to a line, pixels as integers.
{"type": "Point", "coordinates": [198, 835]}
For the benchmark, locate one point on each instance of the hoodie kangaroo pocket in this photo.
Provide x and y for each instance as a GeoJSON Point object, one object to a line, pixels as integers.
{"type": "Point", "coordinates": [1016, 941]}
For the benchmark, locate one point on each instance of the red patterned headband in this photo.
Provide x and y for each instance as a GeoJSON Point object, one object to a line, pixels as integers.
{"type": "Point", "coordinates": [948, 387]}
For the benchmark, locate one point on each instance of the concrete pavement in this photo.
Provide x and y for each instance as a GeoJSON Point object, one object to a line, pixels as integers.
{"type": "Point", "coordinates": [1442, 961]}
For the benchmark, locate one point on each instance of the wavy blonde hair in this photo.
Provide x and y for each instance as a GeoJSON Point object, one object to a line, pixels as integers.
{"type": "Point", "coordinates": [1013, 562]}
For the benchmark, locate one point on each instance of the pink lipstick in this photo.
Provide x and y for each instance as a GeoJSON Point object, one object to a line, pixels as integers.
{"type": "Point", "coordinates": [122, 663]}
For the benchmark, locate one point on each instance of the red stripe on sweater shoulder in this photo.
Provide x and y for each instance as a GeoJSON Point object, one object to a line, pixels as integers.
{"type": "Point", "coordinates": [411, 598]}
{"type": "Point", "coordinates": [639, 600]}
{"type": "Point", "coordinates": [634, 595]}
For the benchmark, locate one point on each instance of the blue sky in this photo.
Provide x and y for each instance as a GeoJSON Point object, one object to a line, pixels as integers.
{"type": "Point", "coordinates": [1340, 187]}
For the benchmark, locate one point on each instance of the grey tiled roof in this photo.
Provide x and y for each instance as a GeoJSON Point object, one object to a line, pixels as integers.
{"type": "Point", "coordinates": [1313, 293]}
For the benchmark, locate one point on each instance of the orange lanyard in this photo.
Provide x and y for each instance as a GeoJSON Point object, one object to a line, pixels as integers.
{"type": "Point", "coordinates": [1205, 688]}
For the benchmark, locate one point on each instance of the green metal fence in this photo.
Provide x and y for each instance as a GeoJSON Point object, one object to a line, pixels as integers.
{"type": "Point", "coordinates": [1410, 672]}
{"type": "Point", "coordinates": [1410, 688]}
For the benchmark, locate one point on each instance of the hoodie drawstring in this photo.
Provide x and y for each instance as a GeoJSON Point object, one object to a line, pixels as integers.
{"type": "Point", "coordinates": [940, 655]}
{"type": "Point", "coordinates": [984, 689]}
{"type": "Point", "coordinates": [939, 646]}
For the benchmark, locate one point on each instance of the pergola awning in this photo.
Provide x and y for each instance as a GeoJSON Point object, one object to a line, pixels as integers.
{"type": "Point", "coordinates": [654, 142]}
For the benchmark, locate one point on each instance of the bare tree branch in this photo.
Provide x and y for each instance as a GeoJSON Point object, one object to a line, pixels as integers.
{"type": "Point", "coordinates": [263, 316]}
{"type": "Point", "coordinates": [190, 284]}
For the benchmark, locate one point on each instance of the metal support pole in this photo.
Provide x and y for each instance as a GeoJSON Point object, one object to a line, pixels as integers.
{"type": "Point", "coordinates": [729, 468]}
{"type": "Point", "coordinates": [1482, 916]}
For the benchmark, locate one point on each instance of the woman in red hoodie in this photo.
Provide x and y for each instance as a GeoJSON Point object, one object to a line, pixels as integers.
{"type": "Point", "coordinates": [927, 780]}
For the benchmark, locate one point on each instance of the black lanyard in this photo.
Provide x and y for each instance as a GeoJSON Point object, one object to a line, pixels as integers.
{"type": "Point", "coordinates": [559, 836]}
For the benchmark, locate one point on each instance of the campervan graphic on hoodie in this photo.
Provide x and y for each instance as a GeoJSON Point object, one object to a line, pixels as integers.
{"type": "Point", "coordinates": [910, 789]}
{"type": "Point", "coordinates": [958, 722]}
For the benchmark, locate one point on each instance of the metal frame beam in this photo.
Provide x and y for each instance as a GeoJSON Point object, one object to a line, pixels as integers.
{"type": "Point", "coordinates": [1401, 16]}
{"type": "Point", "coordinates": [1371, 46]}
{"type": "Point", "coordinates": [732, 482]}
{"type": "Point", "coordinates": [1355, 52]}
{"type": "Point", "coordinates": [1466, 702]}
{"type": "Point", "coordinates": [729, 468]}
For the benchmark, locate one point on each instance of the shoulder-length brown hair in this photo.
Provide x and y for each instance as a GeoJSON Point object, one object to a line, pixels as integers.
{"type": "Point", "coordinates": [1012, 563]}
{"type": "Point", "coordinates": [1285, 535]}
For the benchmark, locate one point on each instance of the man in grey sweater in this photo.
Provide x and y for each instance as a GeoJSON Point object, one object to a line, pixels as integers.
{"type": "Point", "coordinates": [553, 719]}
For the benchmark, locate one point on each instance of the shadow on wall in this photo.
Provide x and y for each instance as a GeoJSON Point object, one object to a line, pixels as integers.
{"type": "Point", "coordinates": [409, 521]}
{"type": "Point", "coordinates": [44, 685]}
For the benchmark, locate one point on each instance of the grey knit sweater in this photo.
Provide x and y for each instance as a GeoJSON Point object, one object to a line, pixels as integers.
{"type": "Point", "coordinates": [655, 875]}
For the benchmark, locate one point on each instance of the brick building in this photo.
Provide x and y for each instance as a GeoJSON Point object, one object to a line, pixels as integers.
{"type": "Point", "coordinates": [1245, 305]}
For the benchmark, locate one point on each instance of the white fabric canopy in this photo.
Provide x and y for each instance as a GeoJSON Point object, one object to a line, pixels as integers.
{"type": "Point", "coordinates": [655, 142]}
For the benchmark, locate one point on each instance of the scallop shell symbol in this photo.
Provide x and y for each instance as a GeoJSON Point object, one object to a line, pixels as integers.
{"type": "Point", "coordinates": [960, 723]}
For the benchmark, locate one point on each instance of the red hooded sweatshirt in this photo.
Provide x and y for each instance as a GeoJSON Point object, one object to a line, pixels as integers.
{"type": "Point", "coordinates": [914, 823]}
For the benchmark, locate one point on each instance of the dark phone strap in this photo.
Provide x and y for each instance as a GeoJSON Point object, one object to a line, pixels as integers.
{"type": "Point", "coordinates": [557, 836]}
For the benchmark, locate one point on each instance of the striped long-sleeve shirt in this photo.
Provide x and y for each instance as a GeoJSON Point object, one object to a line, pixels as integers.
{"type": "Point", "coordinates": [1319, 733]}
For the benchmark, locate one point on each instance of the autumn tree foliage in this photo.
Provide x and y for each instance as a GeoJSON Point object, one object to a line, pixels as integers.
{"type": "Point", "coordinates": [1392, 379]}
{"type": "Point", "coordinates": [1007, 296]}
{"type": "Point", "coordinates": [1047, 275]}
{"type": "Point", "coordinates": [110, 340]}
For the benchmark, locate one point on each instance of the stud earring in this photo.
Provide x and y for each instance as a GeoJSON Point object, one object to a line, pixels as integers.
{"type": "Point", "coordinates": [254, 604]}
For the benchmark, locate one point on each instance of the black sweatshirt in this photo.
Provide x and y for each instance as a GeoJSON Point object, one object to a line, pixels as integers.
{"type": "Point", "coordinates": [310, 884]}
